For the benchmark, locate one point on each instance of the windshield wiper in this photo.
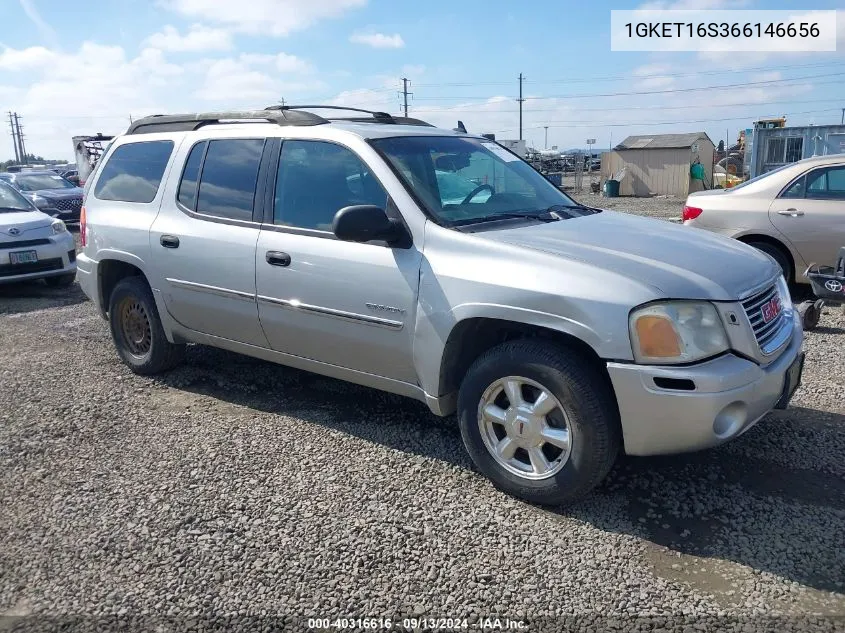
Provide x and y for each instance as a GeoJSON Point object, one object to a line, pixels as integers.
{"type": "Point", "coordinates": [541, 216]}
{"type": "Point", "coordinates": [577, 207]}
{"type": "Point", "coordinates": [12, 209]}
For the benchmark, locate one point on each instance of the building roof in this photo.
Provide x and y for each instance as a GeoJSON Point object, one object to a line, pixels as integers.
{"type": "Point", "coordinates": [662, 141]}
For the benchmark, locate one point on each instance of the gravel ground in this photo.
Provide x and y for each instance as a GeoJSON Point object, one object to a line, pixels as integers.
{"type": "Point", "coordinates": [237, 494]}
{"type": "Point", "coordinates": [664, 207]}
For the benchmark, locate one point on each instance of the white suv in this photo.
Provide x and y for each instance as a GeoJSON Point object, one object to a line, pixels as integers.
{"type": "Point", "coordinates": [437, 265]}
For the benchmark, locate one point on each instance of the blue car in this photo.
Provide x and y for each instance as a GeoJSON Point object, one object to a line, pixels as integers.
{"type": "Point", "coordinates": [52, 194]}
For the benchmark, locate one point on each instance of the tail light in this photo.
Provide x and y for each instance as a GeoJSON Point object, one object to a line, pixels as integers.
{"type": "Point", "coordinates": [691, 213]}
{"type": "Point", "coordinates": [83, 238]}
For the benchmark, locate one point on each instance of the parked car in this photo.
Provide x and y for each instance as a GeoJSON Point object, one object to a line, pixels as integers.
{"type": "Point", "coordinates": [51, 193]}
{"type": "Point", "coordinates": [795, 213]}
{"type": "Point", "coordinates": [32, 244]}
{"type": "Point", "coordinates": [559, 333]}
{"type": "Point", "coordinates": [72, 176]}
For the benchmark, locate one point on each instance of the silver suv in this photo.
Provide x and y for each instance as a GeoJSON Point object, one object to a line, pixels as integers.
{"type": "Point", "coordinates": [560, 334]}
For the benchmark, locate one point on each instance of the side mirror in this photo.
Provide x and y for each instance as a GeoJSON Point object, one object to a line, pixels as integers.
{"type": "Point", "coordinates": [365, 222]}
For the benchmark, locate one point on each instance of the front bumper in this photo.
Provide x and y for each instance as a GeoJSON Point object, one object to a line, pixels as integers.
{"type": "Point", "coordinates": [730, 395]}
{"type": "Point", "coordinates": [54, 259]}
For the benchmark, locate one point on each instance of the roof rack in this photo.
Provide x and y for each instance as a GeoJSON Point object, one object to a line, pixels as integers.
{"type": "Point", "coordinates": [188, 122]}
{"type": "Point", "coordinates": [375, 116]}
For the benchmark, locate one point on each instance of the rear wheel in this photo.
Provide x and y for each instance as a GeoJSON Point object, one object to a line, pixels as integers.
{"type": "Point", "coordinates": [136, 329]}
{"type": "Point", "coordinates": [540, 422]}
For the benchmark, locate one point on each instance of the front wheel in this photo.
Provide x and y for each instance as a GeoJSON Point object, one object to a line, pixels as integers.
{"type": "Point", "coordinates": [136, 329]}
{"type": "Point", "coordinates": [539, 421]}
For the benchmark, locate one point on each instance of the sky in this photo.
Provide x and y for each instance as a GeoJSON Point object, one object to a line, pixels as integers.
{"type": "Point", "coordinates": [88, 66]}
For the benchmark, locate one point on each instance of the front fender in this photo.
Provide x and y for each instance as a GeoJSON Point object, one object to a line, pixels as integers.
{"type": "Point", "coordinates": [434, 328]}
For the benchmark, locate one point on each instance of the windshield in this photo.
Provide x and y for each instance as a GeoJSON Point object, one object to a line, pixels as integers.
{"type": "Point", "coordinates": [461, 180]}
{"type": "Point", "coordinates": [36, 182]}
{"type": "Point", "coordinates": [11, 200]}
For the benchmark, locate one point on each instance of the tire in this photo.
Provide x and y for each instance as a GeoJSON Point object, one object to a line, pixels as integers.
{"type": "Point", "coordinates": [136, 329]}
{"type": "Point", "coordinates": [587, 409]}
{"type": "Point", "coordinates": [62, 281]}
{"type": "Point", "coordinates": [778, 255]}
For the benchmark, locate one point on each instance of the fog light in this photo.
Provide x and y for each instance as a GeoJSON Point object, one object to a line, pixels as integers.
{"type": "Point", "coordinates": [730, 420]}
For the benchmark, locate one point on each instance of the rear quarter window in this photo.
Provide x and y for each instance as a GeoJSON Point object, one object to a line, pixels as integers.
{"type": "Point", "coordinates": [133, 172]}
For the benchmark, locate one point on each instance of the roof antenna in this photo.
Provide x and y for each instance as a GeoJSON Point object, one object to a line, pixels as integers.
{"type": "Point", "coordinates": [460, 128]}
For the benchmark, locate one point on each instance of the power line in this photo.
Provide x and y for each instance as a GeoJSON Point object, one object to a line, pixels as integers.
{"type": "Point", "coordinates": [568, 80]}
{"type": "Point", "coordinates": [572, 124]}
{"type": "Point", "coordinates": [744, 84]}
{"type": "Point", "coordinates": [627, 108]}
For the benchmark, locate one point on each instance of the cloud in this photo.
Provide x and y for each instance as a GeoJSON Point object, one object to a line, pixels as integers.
{"type": "Point", "coordinates": [25, 59]}
{"type": "Point", "coordinates": [198, 38]}
{"type": "Point", "coordinates": [45, 29]}
{"type": "Point", "coordinates": [254, 79]}
{"type": "Point", "coordinates": [378, 40]}
{"type": "Point", "coordinates": [270, 17]}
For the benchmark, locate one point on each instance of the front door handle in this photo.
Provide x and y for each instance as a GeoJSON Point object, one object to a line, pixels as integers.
{"type": "Point", "coordinates": [277, 258]}
{"type": "Point", "coordinates": [793, 213]}
{"type": "Point", "coordinates": [169, 241]}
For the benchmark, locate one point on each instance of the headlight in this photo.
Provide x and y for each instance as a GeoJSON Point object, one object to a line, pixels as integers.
{"type": "Point", "coordinates": [676, 332]}
{"type": "Point", "coordinates": [41, 203]}
{"type": "Point", "coordinates": [783, 291]}
{"type": "Point", "coordinates": [58, 227]}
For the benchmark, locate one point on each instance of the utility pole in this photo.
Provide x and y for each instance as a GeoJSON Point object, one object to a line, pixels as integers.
{"type": "Point", "coordinates": [405, 93]}
{"type": "Point", "coordinates": [520, 105]}
{"type": "Point", "coordinates": [14, 138]}
{"type": "Point", "coordinates": [24, 158]}
{"type": "Point", "coordinates": [546, 143]}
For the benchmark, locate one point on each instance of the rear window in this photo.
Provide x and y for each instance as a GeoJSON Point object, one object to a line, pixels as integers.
{"type": "Point", "coordinates": [133, 172]}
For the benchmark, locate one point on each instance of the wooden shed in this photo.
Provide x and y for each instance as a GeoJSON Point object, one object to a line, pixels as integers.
{"type": "Point", "coordinates": [659, 164]}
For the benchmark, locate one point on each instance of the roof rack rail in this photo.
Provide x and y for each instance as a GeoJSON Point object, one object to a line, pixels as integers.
{"type": "Point", "coordinates": [376, 116]}
{"type": "Point", "coordinates": [188, 122]}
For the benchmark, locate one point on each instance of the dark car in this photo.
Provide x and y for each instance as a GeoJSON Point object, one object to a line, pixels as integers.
{"type": "Point", "coordinates": [51, 193]}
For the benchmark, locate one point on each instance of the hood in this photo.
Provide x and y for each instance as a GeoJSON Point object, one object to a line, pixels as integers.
{"type": "Point", "coordinates": [56, 194]}
{"type": "Point", "coordinates": [681, 262]}
{"type": "Point", "coordinates": [23, 221]}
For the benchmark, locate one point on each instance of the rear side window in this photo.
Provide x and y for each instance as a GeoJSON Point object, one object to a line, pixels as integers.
{"type": "Point", "coordinates": [188, 185]}
{"type": "Point", "coordinates": [133, 172]}
{"type": "Point", "coordinates": [229, 176]}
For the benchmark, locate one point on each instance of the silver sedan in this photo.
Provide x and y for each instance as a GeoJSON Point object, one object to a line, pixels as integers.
{"type": "Point", "coordinates": [795, 213]}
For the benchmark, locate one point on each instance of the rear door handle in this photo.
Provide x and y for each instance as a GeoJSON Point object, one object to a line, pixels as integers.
{"type": "Point", "coordinates": [277, 258]}
{"type": "Point", "coordinates": [169, 241]}
{"type": "Point", "coordinates": [794, 213]}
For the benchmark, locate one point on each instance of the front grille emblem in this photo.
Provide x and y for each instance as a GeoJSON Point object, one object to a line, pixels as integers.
{"type": "Point", "coordinates": [14, 231]}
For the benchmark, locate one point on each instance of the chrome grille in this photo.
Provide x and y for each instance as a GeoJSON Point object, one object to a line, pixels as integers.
{"type": "Point", "coordinates": [765, 333]}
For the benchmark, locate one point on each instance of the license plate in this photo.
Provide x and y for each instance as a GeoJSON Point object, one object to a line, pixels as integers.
{"type": "Point", "coordinates": [791, 382]}
{"type": "Point", "coordinates": [23, 257]}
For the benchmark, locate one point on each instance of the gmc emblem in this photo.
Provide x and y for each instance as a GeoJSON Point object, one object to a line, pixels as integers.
{"type": "Point", "coordinates": [770, 309]}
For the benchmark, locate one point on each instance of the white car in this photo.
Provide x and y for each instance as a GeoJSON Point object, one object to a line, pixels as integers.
{"type": "Point", "coordinates": [32, 244]}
